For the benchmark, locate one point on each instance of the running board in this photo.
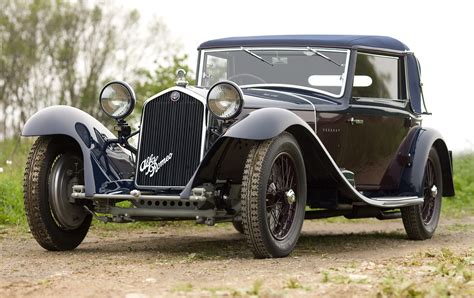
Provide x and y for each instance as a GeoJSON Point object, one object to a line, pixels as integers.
{"type": "Point", "coordinates": [392, 202]}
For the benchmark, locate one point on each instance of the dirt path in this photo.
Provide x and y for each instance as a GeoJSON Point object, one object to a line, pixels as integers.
{"type": "Point", "coordinates": [356, 258]}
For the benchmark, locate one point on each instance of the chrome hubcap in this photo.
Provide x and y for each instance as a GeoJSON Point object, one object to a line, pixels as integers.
{"type": "Point", "coordinates": [290, 196]}
{"type": "Point", "coordinates": [434, 191]}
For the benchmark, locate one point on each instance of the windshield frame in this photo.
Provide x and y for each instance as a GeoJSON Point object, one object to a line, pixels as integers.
{"type": "Point", "coordinates": [203, 52]}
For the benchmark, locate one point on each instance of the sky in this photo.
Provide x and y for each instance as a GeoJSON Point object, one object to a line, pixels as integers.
{"type": "Point", "coordinates": [439, 32]}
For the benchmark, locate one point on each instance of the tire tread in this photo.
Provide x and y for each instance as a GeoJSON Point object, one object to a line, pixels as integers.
{"type": "Point", "coordinates": [35, 196]}
{"type": "Point", "coordinates": [250, 198]}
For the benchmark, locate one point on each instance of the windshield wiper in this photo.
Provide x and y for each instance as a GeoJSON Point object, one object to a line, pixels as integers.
{"type": "Point", "coordinates": [324, 56]}
{"type": "Point", "coordinates": [255, 55]}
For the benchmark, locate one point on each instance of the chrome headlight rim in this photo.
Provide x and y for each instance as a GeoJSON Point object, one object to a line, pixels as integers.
{"type": "Point", "coordinates": [131, 99]}
{"type": "Point", "coordinates": [240, 98]}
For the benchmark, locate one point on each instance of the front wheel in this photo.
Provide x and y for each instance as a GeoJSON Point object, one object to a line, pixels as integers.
{"type": "Point", "coordinates": [421, 221]}
{"type": "Point", "coordinates": [273, 196]}
{"type": "Point", "coordinates": [238, 226]}
{"type": "Point", "coordinates": [54, 166]}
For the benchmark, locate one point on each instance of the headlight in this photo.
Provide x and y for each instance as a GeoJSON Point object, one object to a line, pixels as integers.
{"type": "Point", "coordinates": [225, 100]}
{"type": "Point", "coordinates": [117, 99]}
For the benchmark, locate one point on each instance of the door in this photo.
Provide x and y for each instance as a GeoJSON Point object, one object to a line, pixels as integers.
{"type": "Point", "coordinates": [377, 120]}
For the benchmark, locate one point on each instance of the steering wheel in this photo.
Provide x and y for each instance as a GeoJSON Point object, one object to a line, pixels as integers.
{"type": "Point", "coordinates": [248, 75]}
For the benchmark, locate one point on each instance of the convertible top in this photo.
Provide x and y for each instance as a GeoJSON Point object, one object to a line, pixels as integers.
{"type": "Point", "coordinates": [331, 41]}
{"type": "Point", "coordinates": [336, 41]}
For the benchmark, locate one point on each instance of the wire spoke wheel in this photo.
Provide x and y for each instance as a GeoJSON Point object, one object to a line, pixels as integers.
{"type": "Point", "coordinates": [273, 196]}
{"type": "Point", "coordinates": [421, 221]}
{"type": "Point", "coordinates": [280, 197]}
{"type": "Point", "coordinates": [430, 191]}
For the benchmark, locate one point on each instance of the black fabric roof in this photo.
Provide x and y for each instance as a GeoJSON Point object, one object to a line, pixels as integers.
{"type": "Point", "coordinates": [338, 41]}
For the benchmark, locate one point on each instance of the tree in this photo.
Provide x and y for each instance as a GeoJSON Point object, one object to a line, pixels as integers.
{"type": "Point", "coordinates": [151, 82]}
{"type": "Point", "coordinates": [62, 52]}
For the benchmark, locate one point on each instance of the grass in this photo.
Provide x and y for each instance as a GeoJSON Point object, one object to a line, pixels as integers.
{"type": "Point", "coordinates": [463, 203]}
{"type": "Point", "coordinates": [13, 154]}
{"type": "Point", "coordinates": [445, 273]}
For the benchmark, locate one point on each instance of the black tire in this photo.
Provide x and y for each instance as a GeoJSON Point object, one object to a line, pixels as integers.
{"type": "Point", "coordinates": [54, 157]}
{"type": "Point", "coordinates": [238, 226]}
{"type": "Point", "coordinates": [264, 193]}
{"type": "Point", "coordinates": [421, 221]}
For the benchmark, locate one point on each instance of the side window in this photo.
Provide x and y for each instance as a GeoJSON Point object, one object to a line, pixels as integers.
{"type": "Point", "coordinates": [377, 77]}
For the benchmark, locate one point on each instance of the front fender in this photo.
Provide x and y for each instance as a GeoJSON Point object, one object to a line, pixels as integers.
{"type": "Point", "coordinates": [264, 124]}
{"type": "Point", "coordinates": [227, 155]}
{"type": "Point", "coordinates": [101, 165]}
{"type": "Point", "coordinates": [412, 179]}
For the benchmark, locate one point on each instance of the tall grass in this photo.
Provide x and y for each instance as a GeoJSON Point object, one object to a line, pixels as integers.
{"type": "Point", "coordinates": [463, 203]}
{"type": "Point", "coordinates": [15, 152]}
{"type": "Point", "coordinates": [13, 155]}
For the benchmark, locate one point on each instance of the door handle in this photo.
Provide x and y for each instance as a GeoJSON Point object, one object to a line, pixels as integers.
{"type": "Point", "coordinates": [354, 121]}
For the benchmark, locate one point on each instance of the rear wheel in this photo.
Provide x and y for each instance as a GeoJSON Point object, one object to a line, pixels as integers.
{"type": "Point", "coordinates": [273, 196]}
{"type": "Point", "coordinates": [421, 221]}
{"type": "Point", "coordinates": [54, 166]}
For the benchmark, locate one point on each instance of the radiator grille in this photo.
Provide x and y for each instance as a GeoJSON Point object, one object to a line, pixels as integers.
{"type": "Point", "coordinates": [170, 141]}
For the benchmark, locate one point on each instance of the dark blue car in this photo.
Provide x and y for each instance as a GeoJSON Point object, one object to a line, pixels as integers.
{"type": "Point", "coordinates": [276, 130]}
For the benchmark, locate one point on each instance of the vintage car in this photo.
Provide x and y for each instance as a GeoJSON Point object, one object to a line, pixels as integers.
{"type": "Point", "coordinates": [278, 129]}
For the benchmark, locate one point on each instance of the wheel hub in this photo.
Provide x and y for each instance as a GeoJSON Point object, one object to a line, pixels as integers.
{"type": "Point", "coordinates": [66, 172]}
{"type": "Point", "coordinates": [434, 191]}
{"type": "Point", "coordinates": [290, 196]}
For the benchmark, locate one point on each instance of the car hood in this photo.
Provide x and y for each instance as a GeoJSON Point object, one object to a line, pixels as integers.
{"type": "Point", "coordinates": [256, 98]}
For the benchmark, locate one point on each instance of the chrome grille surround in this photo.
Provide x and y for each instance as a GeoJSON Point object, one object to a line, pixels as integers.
{"type": "Point", "coordinates": [172, 137]}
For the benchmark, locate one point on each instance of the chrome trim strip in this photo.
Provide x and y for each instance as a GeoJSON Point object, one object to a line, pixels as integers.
{"type": "Point", "coordinates": [384, 202]}
{"type": "Point", "coordinates": [128, 197]}
{"type": "Point", "coordinates": [203, 137]}
{"type": "Point", "coordinates": [344, 74]}
{"type": "Point", "coordinates": [170, 213]}
{"type": "Point", "coordinates": [382, 50]}
{"type": "Point", "coordinates": [288, 86]}
{"type": "Point", "coordinates": [199, 195]}
{"type": "Point", "coordinates": [399, 201]}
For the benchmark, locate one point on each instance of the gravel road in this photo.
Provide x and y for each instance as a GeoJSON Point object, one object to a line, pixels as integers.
{"type": "Point", "coordinates": [333, 258]}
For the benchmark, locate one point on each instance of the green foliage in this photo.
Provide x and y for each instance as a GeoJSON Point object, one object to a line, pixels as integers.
{"type": "Point", "coordinates": [463, 203]}
{"type": "Point", "coordinates": [439, 273]}
{"type": "Point", "coordinates": [63, 52]}
{"type": "Point", "coordinates": [293, 283]}
{"type": "Point", "coordinates": [151, 82]}
{"type": "Point", "coordinates": [13, 154]}
{"type": "Point", "coordinates": [256, 288]}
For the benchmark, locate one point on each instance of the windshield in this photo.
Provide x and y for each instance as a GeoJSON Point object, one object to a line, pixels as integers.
{"type": "Point", "coordinates": [321, 70]}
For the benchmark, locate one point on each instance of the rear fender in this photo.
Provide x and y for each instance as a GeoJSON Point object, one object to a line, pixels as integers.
{"type": "Point", "coordinates": [412, 178]}
{"type": "Point", "coordinates": [101, 165]}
